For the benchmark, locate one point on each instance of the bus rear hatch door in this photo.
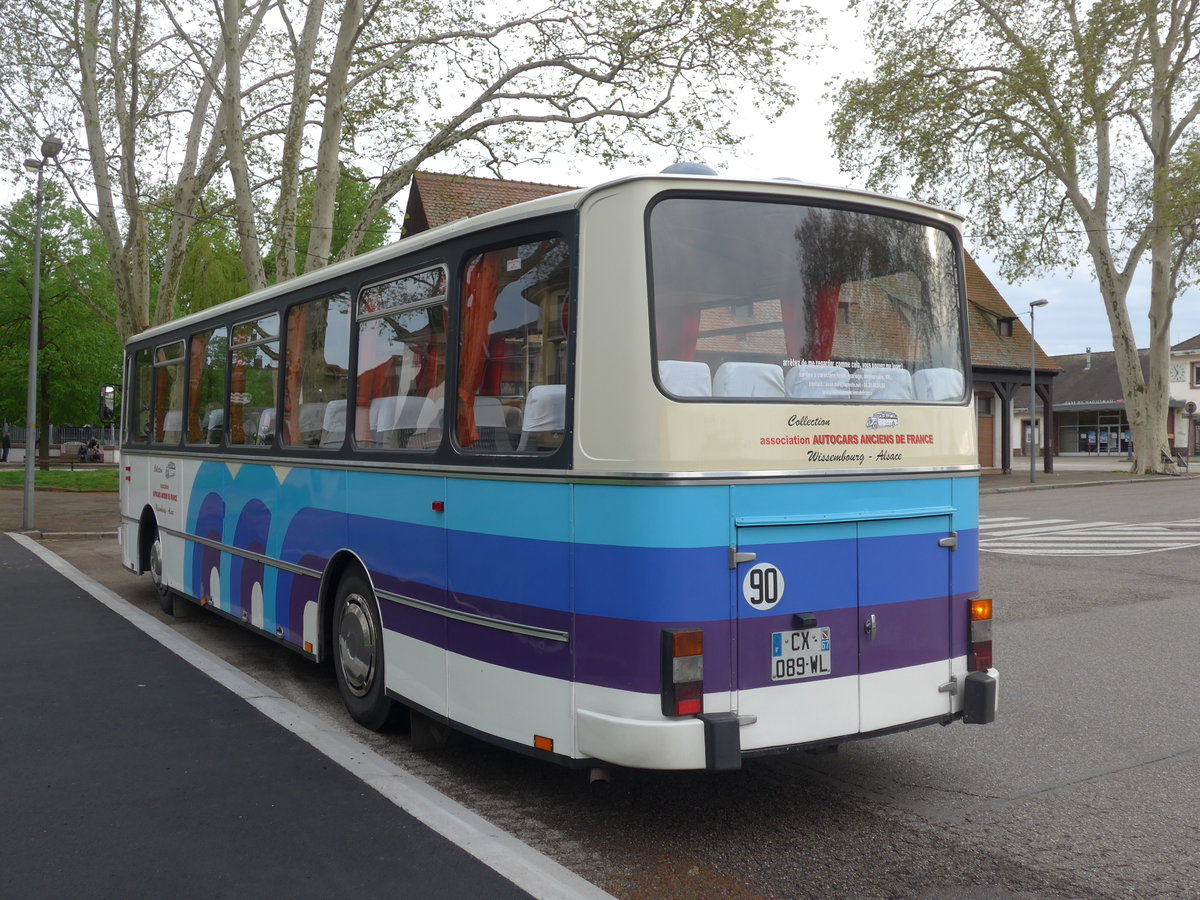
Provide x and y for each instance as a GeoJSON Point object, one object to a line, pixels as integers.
{"type": "Point", "coordinates": [843, 627]}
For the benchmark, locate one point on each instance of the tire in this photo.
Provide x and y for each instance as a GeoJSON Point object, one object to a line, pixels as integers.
{"type": "Point", "coordinates": [358, 655]}
{"type": "Point", "coordinates": [166, 596]}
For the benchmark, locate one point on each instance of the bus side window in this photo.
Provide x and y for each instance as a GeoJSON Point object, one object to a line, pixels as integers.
{"type": "Point", "coordinates": [401, 382]}
{"type": "Point", "coordinates": [143, 392]}
{"type": "Point", "coordinates": [206, 386]}
{"type": "Point", "coordinates": [317, 365]}
{"type": "Point", "coordinates": [254, 380]}
{"type": "Point", "coordinates": [168, 393]}
{"type": "Point", "coordinates": [512, 368]}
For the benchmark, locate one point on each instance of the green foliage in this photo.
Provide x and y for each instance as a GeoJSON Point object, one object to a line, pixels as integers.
{"type": "Point", "coordinates": [79, 347]}
{"type": "Point", "coordinates": [353, 193]}
{"type": "Point", "coordinates": [1024, 113]}
{"type": "Point", "coordinates": [92, 480]}
{"type": "Point", "coordinates": [212, 270]}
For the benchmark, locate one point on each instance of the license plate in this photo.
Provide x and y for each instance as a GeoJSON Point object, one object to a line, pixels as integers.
{"type": "Point", "coordinates": [800, 654]}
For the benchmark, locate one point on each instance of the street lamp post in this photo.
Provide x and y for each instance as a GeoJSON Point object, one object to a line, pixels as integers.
{"type": "Point", "coordinates": [50, 149]}
{"type": "Point", "coordinates": [1033, 429]}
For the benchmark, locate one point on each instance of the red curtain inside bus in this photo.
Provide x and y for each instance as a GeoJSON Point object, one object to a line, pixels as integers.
{"type": "Point", "coordinates": [479, 308]}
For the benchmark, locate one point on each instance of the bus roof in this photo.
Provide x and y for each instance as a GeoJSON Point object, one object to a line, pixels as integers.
{"type": "Point", "coordinates": [554, 203]}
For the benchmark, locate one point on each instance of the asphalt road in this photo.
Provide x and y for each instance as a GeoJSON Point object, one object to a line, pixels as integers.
{"type": "Point", "coordinates": [1088, 785]}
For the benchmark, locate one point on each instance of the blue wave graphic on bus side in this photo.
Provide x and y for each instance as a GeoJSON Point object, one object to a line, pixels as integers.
{"type": "Point", "coordinates": [623, 596]}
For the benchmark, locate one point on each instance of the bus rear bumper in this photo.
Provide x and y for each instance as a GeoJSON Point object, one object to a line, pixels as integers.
{"type": "Point", "coordinates": [980, 691]}
{"type": "Point", "coordinates": [641, 743]}
{"type": "Point", "coordinates": [709, 741]}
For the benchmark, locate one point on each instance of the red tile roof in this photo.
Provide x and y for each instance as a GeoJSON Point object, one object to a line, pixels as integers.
{"type": "Point", "coordinates": [435, 199]}
{"type": "Point", "coordinates": [985, 307]}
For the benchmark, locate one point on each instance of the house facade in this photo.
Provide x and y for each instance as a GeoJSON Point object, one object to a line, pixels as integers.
{"type": "Point", "coordinates": [1002, 353]}
{"type": "Point", "coordinates": [1089, 409]}
{"type": "Point", "coordinates": [1185, 387]}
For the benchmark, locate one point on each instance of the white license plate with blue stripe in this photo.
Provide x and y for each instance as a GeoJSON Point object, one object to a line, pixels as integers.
{"type": "Point", "coordinates": [800, 654]}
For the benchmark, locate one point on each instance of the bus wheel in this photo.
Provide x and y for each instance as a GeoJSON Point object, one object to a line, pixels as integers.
{"type": "Point", "coordinates": [166, 596]}
{"type": "Point", "coordinates": [358, 655]}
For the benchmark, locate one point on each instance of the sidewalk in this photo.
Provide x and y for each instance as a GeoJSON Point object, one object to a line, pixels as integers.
{"type": "Point", "coordinates": [1070, 471]}
{"type": "Point", "coordinates": [135, 764]}
{"type": "Point", "coordinates": [61, 513]}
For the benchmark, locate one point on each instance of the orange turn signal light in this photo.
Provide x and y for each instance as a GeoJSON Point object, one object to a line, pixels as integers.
{"type": "Point", "coordinates": [687, 643]}
{"type": "Point", "coordinates": [981, 610]}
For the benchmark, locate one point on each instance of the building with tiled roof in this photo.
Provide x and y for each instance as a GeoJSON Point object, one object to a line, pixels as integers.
{"type": "Point", "coordinates": [1089, 408]}
{"type": "Point", "coordinates": [1000, 342]}
{"type": "Point", "coordinates": [1000, 364]}
{"type": "Point", "coordinates": [1184, 375]}
{"type": "Point", "coordinates": [435, 199]}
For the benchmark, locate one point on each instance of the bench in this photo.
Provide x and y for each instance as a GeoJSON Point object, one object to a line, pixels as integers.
{"type": "Point", "coordinates": [1180, 461]}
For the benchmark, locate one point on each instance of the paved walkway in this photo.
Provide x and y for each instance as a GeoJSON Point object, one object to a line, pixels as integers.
{"type": "Point", "coordinates": [60, 512]}
{"type": "Point", "coordinates": [133, 764]}
{"type": "Point", "coordinates": [1069, 471]}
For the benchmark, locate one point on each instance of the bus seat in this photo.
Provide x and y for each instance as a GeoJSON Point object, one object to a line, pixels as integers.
{"type": "Point", "coordinates": [380, 415]}
{"type": "Point", "coordinates": [266, 426]}
{"type": "Point", "coordinates": [493, 428]}
{"type": "Point", "coordinates": [172, 425]}
{"type": "Point", "coordinates": [312, 421]}
{"type": "Point", "coordinates": [817, 382]}
{"type": "Point", "coordinates": [886, 384]}
{"type": "Point", "coordinates": [333, 428]}
{"type": "Point", "coordinates": [545, 412]}
{"type": "Point", "coordinates": [214, 426]}
{"type": "Point", "coordinates": [685, 378]}
{"type": "Point", "coordinates": [410, 415]}
{"type": "Point", "coordinates": [938, 384]}
{"type": "Point", "coordinates": [748, 379]}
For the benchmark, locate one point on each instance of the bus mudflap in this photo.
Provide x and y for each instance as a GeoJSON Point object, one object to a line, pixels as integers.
{"type": "Point", "coordinates": [979, 697]}
{"type": "Point", "coordinates": [722, 741]}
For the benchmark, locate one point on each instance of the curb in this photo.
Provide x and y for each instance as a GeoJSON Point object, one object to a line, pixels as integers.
{"type": "Point", "coordinates": [1078, 484]}
{"type": "Point", "coordinates": [68, 535]}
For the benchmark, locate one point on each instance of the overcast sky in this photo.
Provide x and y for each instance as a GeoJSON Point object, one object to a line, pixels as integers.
{"type": "Point", "coordinates": [797, 146]}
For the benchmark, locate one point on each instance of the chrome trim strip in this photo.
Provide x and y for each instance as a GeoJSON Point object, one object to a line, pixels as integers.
{"type": "Point", "coordinates": [244, 554]}
{"type": "Point", "coordinates": [871, 515]}
{"type": "Point", "coordinates": [548, 634]}
{"type": "Point", "coordinates": [415, 467]}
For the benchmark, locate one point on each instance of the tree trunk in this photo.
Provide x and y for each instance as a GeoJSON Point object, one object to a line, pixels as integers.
{"type": "Point", "coordinates": [248, 243]}
{"type": "Point", "coordinates": [329, 149]}
{"type": "Point", "coordinates": [304, 51]}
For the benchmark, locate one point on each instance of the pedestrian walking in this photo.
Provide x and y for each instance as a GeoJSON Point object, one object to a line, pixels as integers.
{"type": "Point", "coordinates": [7, 445]}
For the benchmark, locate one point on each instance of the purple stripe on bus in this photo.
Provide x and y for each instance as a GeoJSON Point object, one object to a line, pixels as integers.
{"type": "Point", "coordinates": [905, 634]}
{"type": "Point", "coordinates": [624, 654]}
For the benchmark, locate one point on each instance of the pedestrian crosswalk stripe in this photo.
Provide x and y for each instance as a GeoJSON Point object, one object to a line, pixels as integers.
{"type": "Point", "coordinates": [1065, 537]}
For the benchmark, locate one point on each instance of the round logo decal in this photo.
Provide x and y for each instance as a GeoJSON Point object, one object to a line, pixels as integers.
{"type": "Point", "coordinates": [763, 586]}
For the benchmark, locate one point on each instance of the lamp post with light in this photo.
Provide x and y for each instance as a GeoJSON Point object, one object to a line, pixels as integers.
{"type": "Point", "coordinates": [50, 149]}
{"type": "Point", "coordinates": [1033, 430]}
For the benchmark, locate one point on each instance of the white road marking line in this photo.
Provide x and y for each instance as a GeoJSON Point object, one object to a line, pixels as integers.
{"type": "Point", "coordinates": [1035, 537]}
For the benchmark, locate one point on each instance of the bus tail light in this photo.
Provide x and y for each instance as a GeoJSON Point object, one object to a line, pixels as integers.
{"type": "Point", "coordinates": [979, 658]}
{"type": "Point", "coordinates": [682, 672]}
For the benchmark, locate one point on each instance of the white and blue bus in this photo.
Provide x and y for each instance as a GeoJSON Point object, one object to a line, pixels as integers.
{"type": "Point", "coordinates": [665, 473]}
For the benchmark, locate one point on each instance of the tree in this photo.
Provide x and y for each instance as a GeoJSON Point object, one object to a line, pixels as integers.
{"type": "Point", "coordinates": [78, 346]}
{"type": "Point", "coordinates": [263, 93]}
{"type": "Point", "coordinates": [1064, 127]}
{"type": "Point", "coordinates": [353, 194]}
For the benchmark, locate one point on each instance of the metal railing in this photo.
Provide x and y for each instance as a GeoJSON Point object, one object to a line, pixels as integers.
{"type": "Point", "coordinates": [61, 434]}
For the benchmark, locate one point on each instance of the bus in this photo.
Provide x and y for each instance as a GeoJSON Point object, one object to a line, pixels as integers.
{"type": "Point", "coordinates": [665, 473]}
